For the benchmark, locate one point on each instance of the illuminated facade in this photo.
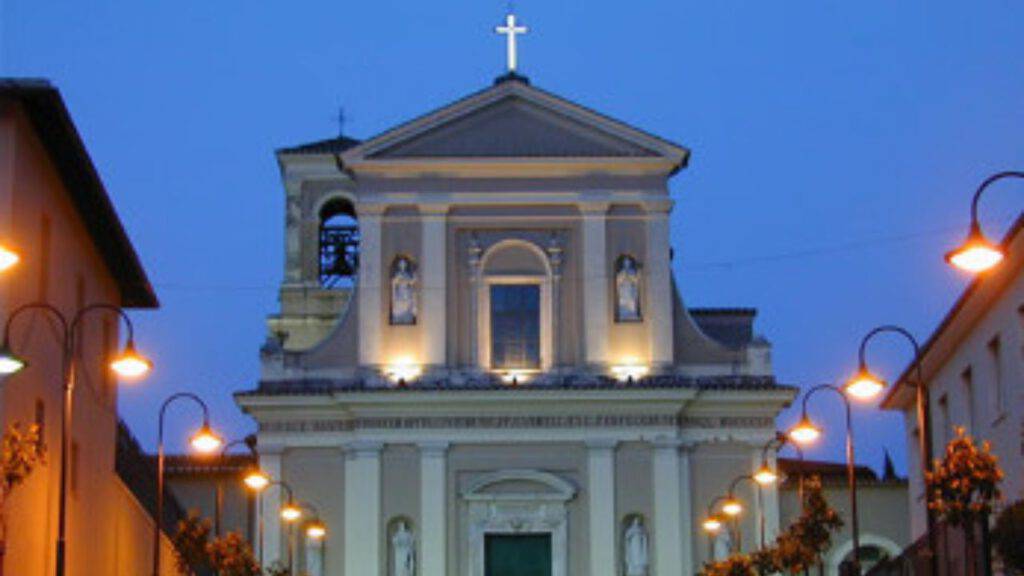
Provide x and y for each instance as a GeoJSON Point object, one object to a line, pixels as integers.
{"type": "Point", "coordinates": [481, 350]}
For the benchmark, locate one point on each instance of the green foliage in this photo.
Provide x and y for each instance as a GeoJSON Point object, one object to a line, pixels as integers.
{"type": "Point", "coordinates": [1008, 537]}
{"type": "Point", "coordinates": [231, 555]}
{"type": "Point", "coordinates": [964, 485]}
{"type": "Point", "coordinates": [190, 543]}
{"type": "Point", "coordinates": [22, 451]}
{"type": "Point", "coordinates": [797, 548]}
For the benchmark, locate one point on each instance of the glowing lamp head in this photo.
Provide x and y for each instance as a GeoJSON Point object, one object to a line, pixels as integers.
{"type": "Point", "coordinates": [290, 512]}
{"type": "Point", "coordinates": [130, 364]}
{"type": "Point", "coordinates": [316, 530]}
{"type": "Point", "coordinates": [865, 385]}
{"type": "Point", "coordinates": [205, 440]}
{"type": "Point", "coordinates": [805, 432]}
{"type": "Point", "coordinates": [977, 254]}
{"type": "Point", "coordinates": [765, 476]}
{"type": "Point", "coordinates": [8, 258]}
{"type": "Point", "coordinates": [256, 480]}
{"type": "Point", "coordinates": [712, 525]}
{"type": "Point", "coordinates": [732, 507]}
{"type": "Point", "coordinates": [10, 362]}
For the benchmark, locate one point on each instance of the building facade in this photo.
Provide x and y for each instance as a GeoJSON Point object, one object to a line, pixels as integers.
{"type": "Point", "coordinates": [973, 370]}
{"type": "Point", "coordinates": [56, 214]}
{"type": "Point", "coordinates": [482, 361]}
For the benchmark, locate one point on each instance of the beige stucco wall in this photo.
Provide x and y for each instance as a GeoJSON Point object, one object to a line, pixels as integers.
{"type": "Point", "coordinates": [882, 513]}
{"type": "Point", "coordinates": [61, 267]}
{"type": "Point", "coordinates": [1001, 427]}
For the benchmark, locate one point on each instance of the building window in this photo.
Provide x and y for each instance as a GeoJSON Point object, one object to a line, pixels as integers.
{"type": "Point", "coordinates": [40, 420]}
{"type": "Point", "coordinates": [74, 467]}
{"type": "Point", "coordinates": [998, 393]}
{"type": "Point", "coordinates": [967, 382]}
{"type": "Point", "coordinates": [944, 423]}
{"type": "Point", "coordinates": [338, 244]}
{"type": "Point", "coordinates": [515, 326]}
{"type": "Point", "coordinates": [45, 248]}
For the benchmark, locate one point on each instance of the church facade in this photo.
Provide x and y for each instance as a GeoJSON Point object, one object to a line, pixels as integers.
{"type": "Point", "coordinates": [482, 364]}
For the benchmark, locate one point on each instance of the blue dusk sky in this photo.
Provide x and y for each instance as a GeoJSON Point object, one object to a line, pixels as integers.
{"type": "Point", "coordinates": [835, 147]}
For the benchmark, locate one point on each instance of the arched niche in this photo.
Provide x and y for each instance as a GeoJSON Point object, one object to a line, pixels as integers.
{"type": "Point", "coordinates": [337, 242]}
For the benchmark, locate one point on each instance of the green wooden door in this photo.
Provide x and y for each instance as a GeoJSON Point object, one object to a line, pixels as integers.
{"type": "Point", "coordinates": [518, 555]}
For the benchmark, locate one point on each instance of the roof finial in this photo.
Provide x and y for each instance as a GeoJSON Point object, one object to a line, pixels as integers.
{"type": "Point", "coordinates": [511, 29]}
{"type": "Point", "coordinates": [341, 121]}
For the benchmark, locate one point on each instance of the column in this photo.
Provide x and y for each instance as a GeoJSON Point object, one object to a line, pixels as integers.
{"type": "Point", "coordinates": [659, 284]}
{"type": "Point", "coordinates": [370, 309]}
{"type": "Point", "coordinates": [362, 509]}
{"type": "Point", "coordinates": [686, 511]}
{"type": "Point", "coordinates": [668, 540]}
{"type": "Point", "coordinates": [595, 283]}
{"type": "Point", "coordinates": [433, 271]}
{"type": "Point", "coordinates": [433, 508]}
{"type": "Point", "coordinates": [270, 463]}
{"type": "Point", "coordinates": [475, 251]}
{"type": "Point", "coordinates": [770, 510]}
{"type": "Point", "coordinates": [601, 504]}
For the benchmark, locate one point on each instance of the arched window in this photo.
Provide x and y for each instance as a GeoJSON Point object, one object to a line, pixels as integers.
{"type": "Point", "coordinates": [339, 244]}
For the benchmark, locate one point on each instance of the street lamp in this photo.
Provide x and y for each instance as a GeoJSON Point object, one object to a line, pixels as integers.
{"type": "Point", "coordinates": [316, 531]}
{"type": "Point", "coordinates": [806, 432]}
{"type": "Point", "coordinates": [290, 513]}
{"type": "Point", "coordinates": [11, 363]}
{"type": "Point", "coordinates": [978, 253]}
{"type": "Point", "coordinates": [204, 441]}
{"type": "Point", "coordinates": [254, 475]}
{"type": "Point", "coordinates": [713, 524]}
{"type": "Point", "coordinates": [924, 422]}
{"type": "Point", "coordinates": [767, 473]}
{"type": "Point", "coordinates": [8, 258]}
{"type": "Point", "coordinates": [733, 507]}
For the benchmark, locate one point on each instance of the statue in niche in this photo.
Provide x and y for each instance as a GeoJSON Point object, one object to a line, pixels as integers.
{"type": "Point", "coordinates": [723, 543]}
{"type": "Point", "coordinates": [635, 553]}
{"type": "Point", "coordinates": [403, 292]}
{"type": "Point", "coordinates": [627, 290]}
{"type": "Point", "coordinates": [403, 547]}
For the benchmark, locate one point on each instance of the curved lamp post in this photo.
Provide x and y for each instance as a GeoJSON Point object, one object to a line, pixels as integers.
{"type": "Point", "coordinates": [712, 524]}
{"type": "Point", "coordinates": [251, 475]}
{"type": "Point", "coordinates": [866, 380]}
{"type": "Point", "coordinates": [128, 364]}
{"type": "Point", "coordinates": [978, 253]}
{"type": "Point", "coordinates": [806, 432]}
{"type": "Point", "coordinates": [733, 507]}
{"type": "Point", "coordinates": [291, 513]}
{"type": "Point", "coordinates": [316, 531]}
{"type": "Point", "coordinates": [203, 441]}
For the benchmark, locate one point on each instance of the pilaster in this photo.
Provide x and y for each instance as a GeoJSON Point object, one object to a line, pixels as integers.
{"type": "Point", "coordinates": [659, 284]}
{"type": "Point", "coordinates": [293, 227]}
{"type": "Point", "coordinates": [433, 506]}
{"type": "Point", "coordinates": [595, 283]}
{"type": "Point", "coordinates": [668, 539]}
{"type": "Point", "coordinates": [686, 511]}
{"type": "Point", "coordinates": [272, 499]}
{"type": "Point", "coordinates": [362, 539]}
{"type": "Point", "coordinates": [370, 290]}
{"type": "Point", "coordinates": [601, 505]}
{"type": "Point", "coordinates": [434, 273]}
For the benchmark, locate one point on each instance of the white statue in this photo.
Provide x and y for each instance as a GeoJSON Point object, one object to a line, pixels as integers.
{"type": "Point", "coordinates": [636, 549]}
{"type": "Point", "coordinates": [627, 290]}
{"type": "Point", "coordinates": [403, 292]}
{"type": "Point", "coordinates": [403, 546]}
{"type": "Point", "coordinates": [723, 543]}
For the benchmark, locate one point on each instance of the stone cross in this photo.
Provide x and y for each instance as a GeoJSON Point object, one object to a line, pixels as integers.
{"type": "Point", "coordinates": [510, 29]}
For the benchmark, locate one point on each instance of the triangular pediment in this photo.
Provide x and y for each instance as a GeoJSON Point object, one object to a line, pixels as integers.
{"type": "Point", "coordinates": [513, 120]}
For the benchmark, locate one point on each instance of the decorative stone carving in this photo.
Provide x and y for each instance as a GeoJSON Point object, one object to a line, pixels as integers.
{"type": "Point", "coordinates": [403, 549]}
{"type": "Point", "coordinates": [635, 545]}
{"type": "Point", "coordinates": [627, 289]}
{"type": "Point", "coordinates": [537, 512]}
{"type": "Point", "coordinates": [403, 292]}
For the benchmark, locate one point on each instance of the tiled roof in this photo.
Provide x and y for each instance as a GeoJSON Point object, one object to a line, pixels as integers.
{"type": "Point", "coordinates": [328, 146]}
{"type": "Point", "coordinates": [309, 387]}
{"type": "Point", "coordinates": [185, 464]}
